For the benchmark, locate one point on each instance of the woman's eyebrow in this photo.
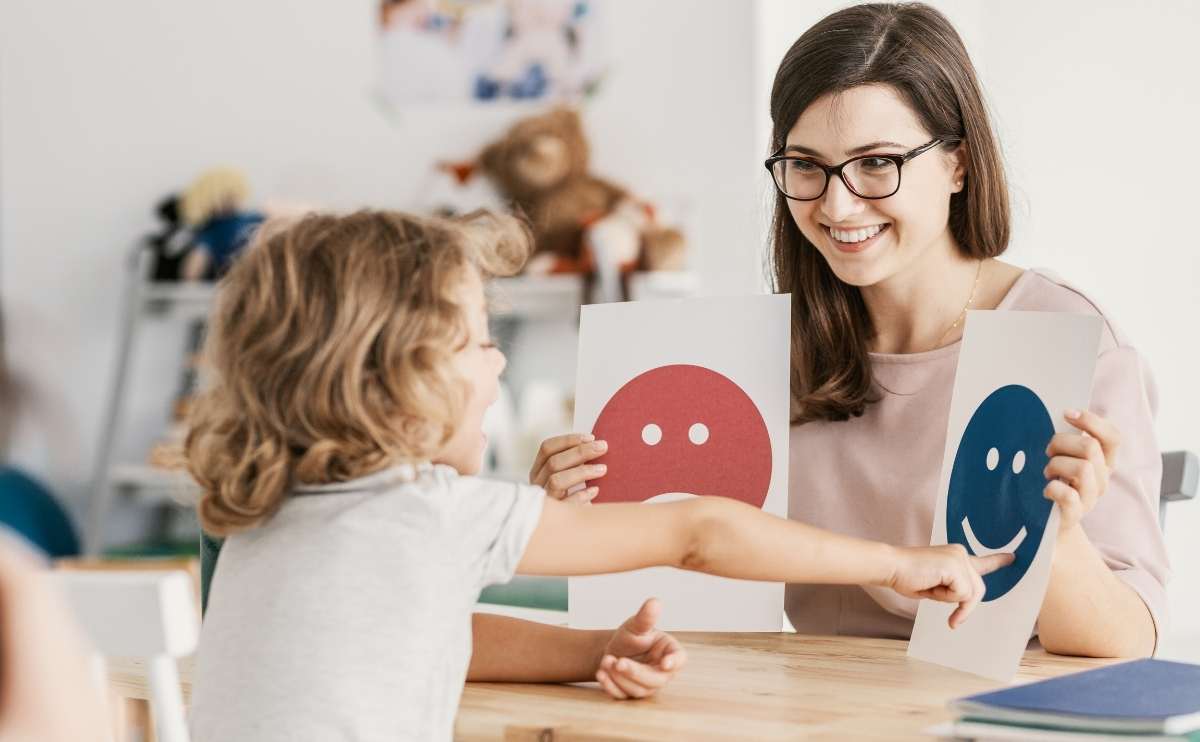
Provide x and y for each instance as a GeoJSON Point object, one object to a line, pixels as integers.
{"type": "Point", "coordinates": [802, 150]}
{"type": "Point", "coordinates": [873, 145]}
{"type": "Point", "coordinates": [808, 151]}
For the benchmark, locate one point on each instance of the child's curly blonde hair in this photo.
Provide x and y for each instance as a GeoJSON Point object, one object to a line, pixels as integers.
{"type": "Point", "coordinates": [329, 349]}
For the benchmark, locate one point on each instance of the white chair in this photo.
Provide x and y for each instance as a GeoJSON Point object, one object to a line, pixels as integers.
{"type": "Point", "coordinates": [146, 615]}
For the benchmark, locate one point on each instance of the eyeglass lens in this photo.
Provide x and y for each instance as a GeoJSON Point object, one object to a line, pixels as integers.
{"type": "Point", "coordinates": [869, 177]}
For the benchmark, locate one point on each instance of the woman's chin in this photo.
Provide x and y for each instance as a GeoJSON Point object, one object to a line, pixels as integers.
{"type": "Point", "coordinates": [862, 270]}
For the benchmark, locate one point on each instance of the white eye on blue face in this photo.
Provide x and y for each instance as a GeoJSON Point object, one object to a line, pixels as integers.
{"type": "Point", "coordinates": [993, 458]}
{"type": "Point", "coordinates": [1018, 462]}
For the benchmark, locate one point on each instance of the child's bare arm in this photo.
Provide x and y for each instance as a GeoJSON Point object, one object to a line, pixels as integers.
{"type": "Point", "coordinates": [715, 535]}
{"type": "Point", "coordinates": [512, 650]}
{"type": "Point", "coordinates": [725, 537]}
{"type": "Point", "coordinates": [634, 660]}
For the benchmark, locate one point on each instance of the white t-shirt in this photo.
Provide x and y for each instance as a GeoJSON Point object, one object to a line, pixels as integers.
{"type": "Point", "coordinates": [347, 616]}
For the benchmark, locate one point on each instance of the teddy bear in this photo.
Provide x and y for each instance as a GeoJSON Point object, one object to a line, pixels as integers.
{"type": "Point", "coordinates": [581, 223]}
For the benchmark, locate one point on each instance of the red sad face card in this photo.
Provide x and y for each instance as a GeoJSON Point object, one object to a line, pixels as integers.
{"type": "Point", "coordinates": [684, 429]}
{"type": "Point", "coordinates": [692, 398]}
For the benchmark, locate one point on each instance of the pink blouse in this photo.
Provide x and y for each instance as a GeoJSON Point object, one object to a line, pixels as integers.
{"type": "Point", "coordinates": [876, 476]}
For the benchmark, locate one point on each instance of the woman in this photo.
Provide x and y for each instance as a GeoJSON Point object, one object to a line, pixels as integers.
{"type": "Point", "coordinates": [882, 271]}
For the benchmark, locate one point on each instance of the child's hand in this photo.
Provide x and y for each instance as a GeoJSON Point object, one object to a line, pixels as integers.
{"type": "Point", "coordinates": [639, 659]}
{"type": "Point", "coordinates": [945, 573]}
{"type": "Point", "coordinates": [1079, 465]}
{"type": "Point", "coordinates": [561, 466]}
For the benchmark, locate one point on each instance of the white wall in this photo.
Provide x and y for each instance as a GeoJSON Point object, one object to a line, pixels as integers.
{"type": "Point", "coordinates": [1097, 102]}
{"type": "Point", "coordinates": [1096, 105]}
{"type": "Point", "coordinates": [105, 107]}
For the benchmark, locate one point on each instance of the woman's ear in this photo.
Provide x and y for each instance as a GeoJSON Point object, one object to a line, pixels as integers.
{"type": "Point", "coordinates": [958, 175]}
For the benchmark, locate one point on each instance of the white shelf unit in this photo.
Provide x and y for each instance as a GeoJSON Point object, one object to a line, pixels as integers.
{"type": "Point", "coordinates": [110, 478]}
{"type": "Point", "coordinates": [154, 484]}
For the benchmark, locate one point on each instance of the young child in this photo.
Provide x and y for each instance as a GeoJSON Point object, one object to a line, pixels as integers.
{"type": "Point", "coordinates": [336, 448]}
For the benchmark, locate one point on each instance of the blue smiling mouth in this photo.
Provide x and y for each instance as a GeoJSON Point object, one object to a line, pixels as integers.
{"type": "Point", "coordinates": [978, 548]}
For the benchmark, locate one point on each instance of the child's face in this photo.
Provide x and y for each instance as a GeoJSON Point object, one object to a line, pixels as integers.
{"type": "Point", "coordinates": [479, 362]}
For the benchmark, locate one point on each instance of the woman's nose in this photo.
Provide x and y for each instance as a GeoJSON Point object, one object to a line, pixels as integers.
{"type": "Point", "coordinates": [839, 202]}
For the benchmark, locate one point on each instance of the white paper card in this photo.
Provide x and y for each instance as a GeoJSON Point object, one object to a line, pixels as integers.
{"type": "Point", "coordinates": [692, 397]}
{"type": "Point", "coordinates": [1018, 372]}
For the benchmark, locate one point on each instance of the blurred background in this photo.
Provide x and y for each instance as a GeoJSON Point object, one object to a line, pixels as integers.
{"type": "Point", "coordinates": [109, 109]}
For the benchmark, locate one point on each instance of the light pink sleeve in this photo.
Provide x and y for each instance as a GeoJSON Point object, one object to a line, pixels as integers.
{"type": "Point", "coordinates": [1124, 524]}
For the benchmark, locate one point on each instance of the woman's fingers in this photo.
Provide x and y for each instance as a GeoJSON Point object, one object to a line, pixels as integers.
{"type": "Point", "coordinates": [576, 455]}
{"type": "Point", "coordinates": [559, 484]}
{"type": "Point", "coordinates": [1069, 469]}
{"type": "Point", "coordinates": [582, 497]}
{"type": "Point", "coordinates": [1070, 505]}
{"type": "Point", "coordinates": [552, 446]}
{"type": "Point", "coordinates": [569, 459]}
{"type": "Point", "coordinates": [1099, 428]}
{"type": "Point", "coordinates": [1080, 462]}
{"type": "Point", "coordinates": [1077, 446]}
{"type": "Point", "coordinates": [1078, 474]}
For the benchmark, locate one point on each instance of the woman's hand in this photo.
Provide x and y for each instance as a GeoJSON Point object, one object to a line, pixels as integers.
{"type": "Point", "coordinates": [1080, 464]}
{"type": "Point", "coordinates": [639, 659]}
{"type": "Point", "coordinates": [561, 466]}
{"type": "Point", "coordinates": [944, 573]}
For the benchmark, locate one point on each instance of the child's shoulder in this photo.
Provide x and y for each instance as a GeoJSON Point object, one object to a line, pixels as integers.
{"type": "Point", "coordinates": [468, 498]}
{"type": "Point", "coordinates": [410, 495]}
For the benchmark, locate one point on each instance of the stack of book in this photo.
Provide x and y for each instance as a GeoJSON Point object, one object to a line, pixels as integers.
{"type": "Point", "coordinates": [1141, 700]}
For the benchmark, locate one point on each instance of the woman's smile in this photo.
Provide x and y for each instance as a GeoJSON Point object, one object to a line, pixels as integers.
{"type": "Point", "coordinates": [855, 239]}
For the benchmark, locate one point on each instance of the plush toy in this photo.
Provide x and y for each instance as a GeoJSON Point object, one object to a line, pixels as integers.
{"type": "Point", "coordinates": [214, 207]}
{"type": "Point", "coordinates": [581, 223]}
{"type": "Point", "coordinates": [170, 245]}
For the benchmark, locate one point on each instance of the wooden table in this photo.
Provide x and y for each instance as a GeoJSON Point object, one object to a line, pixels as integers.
{"type": "Point", "coordinates": [735, 686]}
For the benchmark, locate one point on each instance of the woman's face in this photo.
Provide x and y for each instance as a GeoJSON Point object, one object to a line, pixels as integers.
{"type": "Point", "coordinates": [898, 230]}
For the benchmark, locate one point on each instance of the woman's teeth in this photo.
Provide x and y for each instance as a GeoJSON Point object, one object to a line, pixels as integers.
{"type": "Point", "coordinates": [856, 235]}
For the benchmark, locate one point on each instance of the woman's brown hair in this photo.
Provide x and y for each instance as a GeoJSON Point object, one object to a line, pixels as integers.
{"type": "Point", "coordinates": [329, 351]}
{"type": "Point", "coordinates": [913, 49]}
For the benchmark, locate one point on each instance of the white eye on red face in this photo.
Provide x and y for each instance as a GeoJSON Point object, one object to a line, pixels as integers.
{"type": "Point", "coordinates": [652, 434]}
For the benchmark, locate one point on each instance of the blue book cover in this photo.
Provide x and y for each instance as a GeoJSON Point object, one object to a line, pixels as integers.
{"type": "Point", "coordinates": [1143, 696]}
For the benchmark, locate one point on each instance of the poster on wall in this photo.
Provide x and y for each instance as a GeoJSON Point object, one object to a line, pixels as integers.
{"type": "Point", "coordinates": [445, 52]}
{"type": "Point", "coordinates": [1018, 373]}
{"type": "Point", "coordinates": [692, 398]}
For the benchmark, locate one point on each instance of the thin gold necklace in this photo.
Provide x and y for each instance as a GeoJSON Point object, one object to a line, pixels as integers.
{"type": "Point", "coordinates": [962, 315]}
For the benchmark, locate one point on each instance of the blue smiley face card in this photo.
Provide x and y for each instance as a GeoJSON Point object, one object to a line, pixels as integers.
{"type": "Point", "coordinates": [1018, 372]}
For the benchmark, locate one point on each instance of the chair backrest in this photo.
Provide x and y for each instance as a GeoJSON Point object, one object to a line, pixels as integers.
{"type": "Point", "coordinates": [147, 615]}
{"type": "Point", "coordinates": [1180, 480]}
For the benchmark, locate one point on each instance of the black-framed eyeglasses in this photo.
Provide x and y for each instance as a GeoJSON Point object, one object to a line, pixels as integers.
{"type": "Point", "coordinates": [866, 176]}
